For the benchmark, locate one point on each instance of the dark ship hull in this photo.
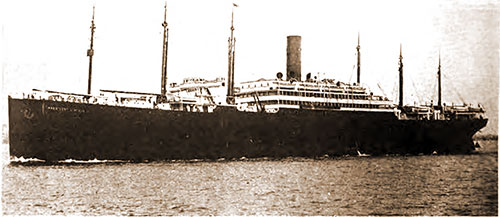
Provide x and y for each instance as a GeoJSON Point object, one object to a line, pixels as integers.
{"type": "Point", "coordinates": [54, 130]}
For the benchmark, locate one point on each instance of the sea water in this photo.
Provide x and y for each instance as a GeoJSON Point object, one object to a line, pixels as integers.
{"type": "Point", "coordinates": [350, 185]}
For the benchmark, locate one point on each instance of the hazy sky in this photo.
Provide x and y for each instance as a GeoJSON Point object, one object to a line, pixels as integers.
{"type": "Point", "coordinates": [43, 44]}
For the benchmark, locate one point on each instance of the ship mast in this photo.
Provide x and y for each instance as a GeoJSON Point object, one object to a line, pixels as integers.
{"type": "Point", "coordinates": [439, 82]}
{"type": "Point", "coordinates": [230, 65]}
{"type": "Point", "coordinates": [164, 55]}
{"type": "Point", "coordinates": [400, 77]}
{"type": "Point", "coordinates": [90, 51]}
{"type": "Point", "coordinates": [359, 62]}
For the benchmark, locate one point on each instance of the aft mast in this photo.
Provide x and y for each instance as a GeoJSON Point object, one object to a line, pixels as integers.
{"type": "Point", "coordinates": [164, 56]}
{"type": "Point", "coordinates": [400, 77]}
{"type": "Point", "coordinates": [230, 65]}
{"type": "Point", "coordinates": [439, 82]}
{"type": "Point", "coordinates": [90, 51]}
{"type": "Point", "coordinates": [359, 62]}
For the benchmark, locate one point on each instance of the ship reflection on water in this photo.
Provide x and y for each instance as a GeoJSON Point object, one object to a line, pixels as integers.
{"type": "Point", "coordinates": [351, 185]}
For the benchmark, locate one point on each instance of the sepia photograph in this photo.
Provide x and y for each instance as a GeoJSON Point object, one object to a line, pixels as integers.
{"type": "Point", "coordinates": [236, 108]}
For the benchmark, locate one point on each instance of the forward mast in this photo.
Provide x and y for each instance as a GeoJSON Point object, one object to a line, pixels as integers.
{"type": "Point", "coordinates": [164, 56]}
{"type": "Point", "coordinates": [90, 51]}
{"type": "Point", "coordinates": [230, 65]}
{"type": "Point", "coordinates": [400, 105]}
{"type": "Point", "coordinates": [359, 62]}
{"type": "Point", "coordinates": [439, 82]}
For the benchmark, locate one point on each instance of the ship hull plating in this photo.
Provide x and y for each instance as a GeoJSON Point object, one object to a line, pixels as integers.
{"type": "Point", "coordinates": [53, 130]}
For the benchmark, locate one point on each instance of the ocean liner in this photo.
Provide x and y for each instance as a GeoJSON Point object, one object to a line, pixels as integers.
{"type": "Point", "coordinates": [212, 119]}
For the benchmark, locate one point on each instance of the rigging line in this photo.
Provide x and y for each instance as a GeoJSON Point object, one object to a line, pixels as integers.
{"type": "Point", "coordinates": [381, 89]}
{"type": "Point", "coordinates": [352, 70]}
{"type": "Point", "coordinates": [415, 90]}
{"type": "Point", "coordinates": [434, 90]}
{"type": "Point", "coordinates": [395, 88]}
{"type": "Point", "coordinates": [454, 89]}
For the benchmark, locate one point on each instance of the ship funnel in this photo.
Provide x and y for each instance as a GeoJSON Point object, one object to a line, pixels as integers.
{"type": "Point", "coordinates": [293, 63]}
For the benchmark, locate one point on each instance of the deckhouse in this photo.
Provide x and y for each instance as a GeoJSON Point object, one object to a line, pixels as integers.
{"type": "Point", "coordinates": [327, 94]}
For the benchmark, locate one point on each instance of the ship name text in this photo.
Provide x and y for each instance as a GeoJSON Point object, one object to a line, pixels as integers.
{"type": "Point", "coordinates": [65, 109]}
